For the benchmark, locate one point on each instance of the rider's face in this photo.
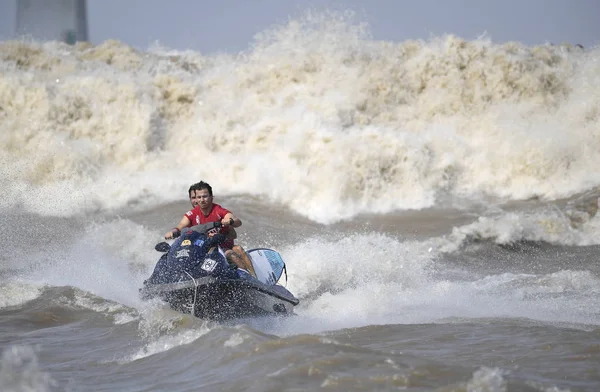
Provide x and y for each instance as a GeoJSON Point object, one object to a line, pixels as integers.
{"type": "Point", "coordinates": [203, 198]}
{"type": "Point", "coordinates": [194, 199]}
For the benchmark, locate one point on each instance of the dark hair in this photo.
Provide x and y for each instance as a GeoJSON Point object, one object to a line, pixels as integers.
{"type": "Point", "coordinates": [204, 185]}
{"type": "Point", "coordinates": [193, 187]}
{"type": "Point", "coordinates": [199, 186]}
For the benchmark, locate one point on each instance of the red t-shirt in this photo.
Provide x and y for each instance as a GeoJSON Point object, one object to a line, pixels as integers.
{"type": "Point", "coordinates": [217, 213]}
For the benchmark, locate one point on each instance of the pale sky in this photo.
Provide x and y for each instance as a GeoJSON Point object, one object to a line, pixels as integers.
{"type": "Point", "coordinates": [229, 25]}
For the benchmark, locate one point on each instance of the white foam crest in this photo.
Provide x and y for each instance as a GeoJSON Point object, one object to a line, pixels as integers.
{"type": "Point", "coordinates": [315, 115]}
{"type": "Point", "coordinates": [487, 380]}
{"type": "Point", "coordinates": [362, 279]}
{"type": "Point", "coordinates": [579, 282]}
{"type": "Point", "coordinates": [165, 343]}
{"type": "Point", "coordinates": [91, 129]}
{"type": "Point", "coordinates": [319, 265]}
{"type": "Point", "coordinates": [120, 313]}
{"type": "Point", "coordinates": [561, 299]}
{"type": "Point", "coordinates": [108, 260]}
{"type": "Point", "coordinates": [127, 241]}
{"type": "Point", "coordinates": [541, 225]}
{"type": "Point", "coordinates": [373, 279]}
{"type": "Point", "coordinates": [20, 371]}
{"type": "Point", "coordinates": [235, 339]}
{"type": "Point", "coordinates": [14, 292]}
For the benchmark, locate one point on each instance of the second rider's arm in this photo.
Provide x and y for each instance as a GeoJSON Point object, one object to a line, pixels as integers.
{"type": "Point", "coordinates": [231, 234]}
{"type": "Point", "coordinates": [185, 222]}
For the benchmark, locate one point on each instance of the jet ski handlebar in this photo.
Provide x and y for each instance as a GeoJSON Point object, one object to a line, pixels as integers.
{"type": "Point", "coordinates": [202, 228]}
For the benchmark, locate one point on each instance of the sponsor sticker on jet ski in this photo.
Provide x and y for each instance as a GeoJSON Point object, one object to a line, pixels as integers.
{"type": "Point", "coordinates": [199, 242]}
{"type": "Point", "coordinates": [209, 265]}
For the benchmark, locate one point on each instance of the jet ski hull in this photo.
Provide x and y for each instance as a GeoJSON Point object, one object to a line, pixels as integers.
{"type": "Point", "coordinates": [217, 299]}
{"type": "Point", "coordinates": [193, 276]}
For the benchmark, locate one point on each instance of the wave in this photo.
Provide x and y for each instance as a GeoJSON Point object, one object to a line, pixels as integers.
{"type": "Point", "coordinates": [363, 278]}
{"type": "Point", "coordinates": [549, 226]}
{"type": "Point", "coordinates": [20, 370]}
{"type": "Point", "coordinates": [315, 115]}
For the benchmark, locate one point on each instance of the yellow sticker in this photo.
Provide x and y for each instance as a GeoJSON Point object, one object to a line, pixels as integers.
{"type": "Point", "coordinates": [186, 243]}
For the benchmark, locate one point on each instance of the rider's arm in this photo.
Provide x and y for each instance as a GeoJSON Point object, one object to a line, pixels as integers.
{"type": "Point", "coordinates": [231, 234]}
{"type": "Point", "coordinates": [185, 222]}
{"type": "Point", "coordinates": [231, 220]}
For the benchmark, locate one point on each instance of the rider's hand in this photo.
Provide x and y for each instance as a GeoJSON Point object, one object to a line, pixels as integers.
{"type": "Point", "coordinates": [226, 222]}
{"type": "Point", "coordinates": [171, 234]}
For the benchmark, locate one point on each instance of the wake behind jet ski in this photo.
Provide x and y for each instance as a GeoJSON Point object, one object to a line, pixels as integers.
{"type": "Point", "coordinates": [194, 276]}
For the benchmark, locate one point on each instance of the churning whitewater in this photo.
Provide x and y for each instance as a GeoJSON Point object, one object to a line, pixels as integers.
{"type": "Point", "coordinates": [315, 116]}
{"type": "Point", "coordinates": [435, 203]}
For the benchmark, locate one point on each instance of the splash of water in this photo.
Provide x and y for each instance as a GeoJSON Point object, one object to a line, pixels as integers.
{"type": "Point", "coordinates": [315, 115]}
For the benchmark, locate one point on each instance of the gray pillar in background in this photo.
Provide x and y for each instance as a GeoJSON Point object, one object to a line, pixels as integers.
{"type": "Point", "coordinates": [52, 20]}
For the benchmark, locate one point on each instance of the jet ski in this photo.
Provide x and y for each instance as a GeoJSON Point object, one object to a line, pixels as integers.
{"type": "Point", "coordinates": [194, 276]}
